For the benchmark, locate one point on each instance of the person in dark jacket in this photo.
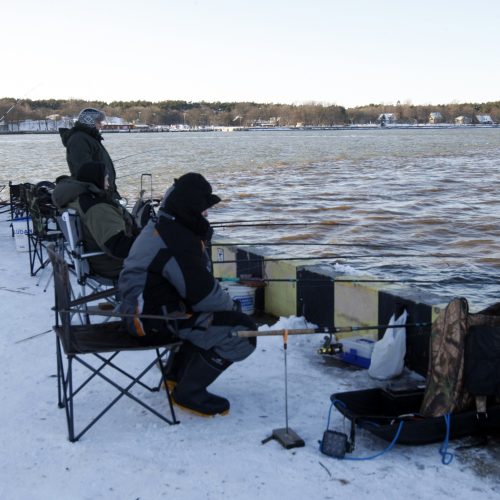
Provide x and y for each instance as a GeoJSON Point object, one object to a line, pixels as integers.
{"type": "Point", "coordinates": [168, 270]}
{"type": "Point", "coordinates": [106, 225]}
{"type": "Point", "coordinates": [83, 144]}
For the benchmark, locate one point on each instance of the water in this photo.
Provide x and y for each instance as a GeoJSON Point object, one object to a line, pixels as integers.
{"type": "Point", "coordinates": [410, 192]}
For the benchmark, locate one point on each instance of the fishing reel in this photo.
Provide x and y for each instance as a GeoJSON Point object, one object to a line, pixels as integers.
{"type": "Point", "coordinates": [330, 346]}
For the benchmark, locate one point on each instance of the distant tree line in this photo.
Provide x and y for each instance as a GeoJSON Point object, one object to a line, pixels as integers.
{"type": "Point", "coordinates": [243, 113]}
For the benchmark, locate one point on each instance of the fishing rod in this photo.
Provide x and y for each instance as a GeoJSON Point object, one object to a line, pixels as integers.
{"type": "Point", "coordinates": [146, 151]}
{"type": "Point", "coordinates": [249, 221]}
{"type": "Point", "coordinates": [237, 221]}
{"type": "Point", "coordinates": [32, 337]}
{"type": "Point", "coordinates": [263, 224]}
{"type": "Point", "coordinates": [313, 331]}
{"type": "Point", "coordinates": [336, 257]}
{"type": "Point", "coordinates": [253, 280]}
{"type": "Point", "coordinates": [305, 243]}
{"type": "Point", "coordinates": [17, 101]}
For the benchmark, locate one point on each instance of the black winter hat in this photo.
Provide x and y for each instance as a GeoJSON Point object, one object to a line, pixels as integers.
{"type": "Point", "coordinates": [89, 116]}
{"type": "Point", "coordinates": [196, 187]}
{"type": "Point", "coordinates": [93, 172]}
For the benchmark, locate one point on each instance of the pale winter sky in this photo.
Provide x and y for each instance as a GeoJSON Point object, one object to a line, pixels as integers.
{"type": "Point", "coordinates": [348, 52]}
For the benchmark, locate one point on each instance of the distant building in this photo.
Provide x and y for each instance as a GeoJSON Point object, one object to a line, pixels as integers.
{"type": "Point", "coordinates": [484, 120]}
{"type": "Point", "coordinates": [272, 122]}
{"type": "Point", "coordinates": [386, 119]}
{"type": "Point", "coordinates": [435, 117]}
{"type": "Point", "coordinates": [47, 125]}
{"type": "Point", "coordinates": [463, 120]}
{"type": "Point", "coordinates": [115, 123]}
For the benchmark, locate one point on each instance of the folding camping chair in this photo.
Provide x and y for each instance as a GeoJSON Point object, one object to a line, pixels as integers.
{"type": "Point", "coordinates": [103, 341]}
{"type": "Point", "coordinates": [70, 225]}
{"type": "Point", "coordinates": [5, 206]}
{"type": "Point", "coordinates": [17, 201]}
{"type": "Point", "coordinates": [43, 231]}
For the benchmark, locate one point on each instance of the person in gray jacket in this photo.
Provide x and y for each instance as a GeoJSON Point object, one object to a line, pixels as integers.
{"type": "Point", "coordinates": [83, 144]}
{"type": "Point", "coordinates": [168, 270]}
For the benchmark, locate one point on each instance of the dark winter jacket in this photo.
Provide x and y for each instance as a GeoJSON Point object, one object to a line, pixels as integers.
{"type": "Point", "coordinates": [84, 144]}
{"type": "Point", "coordinates": [167, 268]}
{"type": "Point", "coordinates": [106, 225]}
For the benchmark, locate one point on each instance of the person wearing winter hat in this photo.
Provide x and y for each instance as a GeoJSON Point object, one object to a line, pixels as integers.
{"type": "Point", "coordinates": [167, 270]}
{"type": "Point", "coordinates": [83, 144]}
{"type": "Point", "coordinates": [106, 225]}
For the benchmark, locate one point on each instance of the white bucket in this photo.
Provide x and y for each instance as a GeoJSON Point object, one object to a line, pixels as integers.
{"type": "Point", "coordinates": [22, 227]}
{"type": "Point", "coordinates": [245, 295]}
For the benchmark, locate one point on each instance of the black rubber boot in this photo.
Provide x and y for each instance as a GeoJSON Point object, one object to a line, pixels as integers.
{"type": "Point", "coordinates": [179, 363]}
{"type": "Point", "coordinates": [191, 391]}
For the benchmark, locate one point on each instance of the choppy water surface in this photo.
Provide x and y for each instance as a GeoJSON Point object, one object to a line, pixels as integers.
{"type": "Point", "coordinates": [409, 192]}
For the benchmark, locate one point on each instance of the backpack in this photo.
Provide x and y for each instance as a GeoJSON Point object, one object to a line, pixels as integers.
{"type": "Point", "coordinates": [43, 196]}
{"type": "Point", "coordinates": [445, 390]}
{"type": "Point", "coordinates": [464, 363]}
{"type": "Point", "coordinates": [482, 353]}
{"type": "Point", "coordinates": [143, 211]}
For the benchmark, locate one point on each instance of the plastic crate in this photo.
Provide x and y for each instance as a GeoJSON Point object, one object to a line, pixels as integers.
{"type": "Point", "coordinates": [357, 351]}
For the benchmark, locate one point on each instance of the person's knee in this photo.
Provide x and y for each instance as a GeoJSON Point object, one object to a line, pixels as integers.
{"type": "Point", "coordinates": [239, 322]}
{"type": "Point", "coordinates": [235, 348]}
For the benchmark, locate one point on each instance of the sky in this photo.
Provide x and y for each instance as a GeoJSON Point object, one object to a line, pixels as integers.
{"type": "Point", "coordinates": [284, 51]}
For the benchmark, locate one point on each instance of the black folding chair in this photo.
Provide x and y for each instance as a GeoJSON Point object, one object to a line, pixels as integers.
{"type": "Point", "coordinates": [43, 229]}
{"type": "Point", "coordinates": [104, 342]}
{"type": "Point", "coordinates": [18, 204]}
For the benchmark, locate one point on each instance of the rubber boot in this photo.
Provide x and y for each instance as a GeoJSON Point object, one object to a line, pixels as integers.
{"type": "Point", "coordinates": [191, 391]}
{"type": "Point", "coordinates": [179, 363]}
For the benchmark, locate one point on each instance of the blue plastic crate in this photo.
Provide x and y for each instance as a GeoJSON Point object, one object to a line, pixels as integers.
{"type": "Point", "coordinates": [353, 358]}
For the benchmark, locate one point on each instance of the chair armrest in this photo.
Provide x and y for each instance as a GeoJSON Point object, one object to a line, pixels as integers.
{"type": "Point", "coordinates": [94, 296]}
{"type": "Point", "coordinates": [95, 311]}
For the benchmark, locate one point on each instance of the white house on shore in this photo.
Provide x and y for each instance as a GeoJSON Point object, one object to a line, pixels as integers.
{"type": "Point", "coordinates": [484, 120]}
{"type": "Point", "coordinates": [386, 118]}
{"type": "Point", "coordinates": [463, 120]}
{"type": "Point", "coordinates": [435, 117]}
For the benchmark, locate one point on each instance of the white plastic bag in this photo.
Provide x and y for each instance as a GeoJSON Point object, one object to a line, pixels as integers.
{"type": "Point", "coordinates": [388, 356]}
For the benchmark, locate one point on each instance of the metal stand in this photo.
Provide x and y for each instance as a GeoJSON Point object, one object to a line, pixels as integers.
{"type": "Point", "coordinates": [287, 437]}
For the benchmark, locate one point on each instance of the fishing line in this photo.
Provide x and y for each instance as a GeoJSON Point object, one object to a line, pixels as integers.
{"type": "Point", "coordinates": [22, 98]}
{"type": "Point", "coordinates": [140, 153]}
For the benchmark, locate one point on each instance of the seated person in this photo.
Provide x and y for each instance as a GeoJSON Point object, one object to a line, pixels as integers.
{"type": "Point", "coordinates": [166, 271]}
{"type": "Point", "coordinates": [106, 225]}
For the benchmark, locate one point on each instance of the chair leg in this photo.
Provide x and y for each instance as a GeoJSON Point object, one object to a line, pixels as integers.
{"type": "Point", "coordinates": [65, 383]}
{"type": "Point", "coordinates": [69, 403]}
{"type": "Point", "coordinates": [35, 248]}
{"type": "Point", "coordinates": [67, 392]}
{"type": "Point", "coordinates": [165, 368]}
{"type": "Point", "coordinates": [107, 362]}
{"type": "Point", "coordinates": [60, 374]}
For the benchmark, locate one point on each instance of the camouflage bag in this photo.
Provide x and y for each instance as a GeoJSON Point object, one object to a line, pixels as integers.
{"type": "Point", "coordinates": [445, 390]}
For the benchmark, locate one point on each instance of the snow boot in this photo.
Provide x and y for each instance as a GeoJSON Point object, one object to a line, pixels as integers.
{"type": "Point", "coordinates": [179, 363]}
{"type": "Point", "coordinates": [191, 391]}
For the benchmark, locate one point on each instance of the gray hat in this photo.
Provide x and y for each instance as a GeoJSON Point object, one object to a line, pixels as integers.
{"type": "Point", "coordinates": [89, 116]}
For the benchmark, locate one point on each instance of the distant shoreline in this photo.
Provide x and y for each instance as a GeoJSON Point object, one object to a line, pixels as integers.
{"type": "Point", "coordinates": [272, 129]}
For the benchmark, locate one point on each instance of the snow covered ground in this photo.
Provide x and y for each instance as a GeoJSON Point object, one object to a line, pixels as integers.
{"type": "Point", "coordinates": [132, 455]}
